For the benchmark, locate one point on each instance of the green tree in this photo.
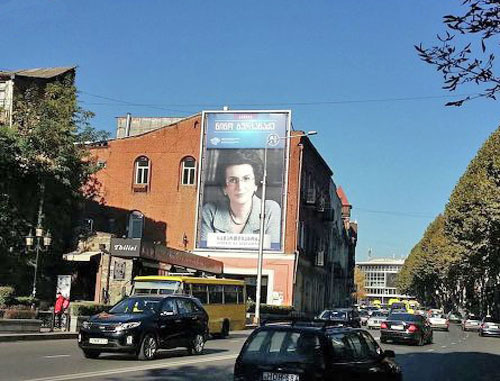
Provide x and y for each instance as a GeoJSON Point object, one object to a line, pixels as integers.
{"type": "Point", "coordinates": [464, 54]}
{"type": "Point", "coordinates": [46, 165]}
{"type": "Point", "coordinates": [473, 223]}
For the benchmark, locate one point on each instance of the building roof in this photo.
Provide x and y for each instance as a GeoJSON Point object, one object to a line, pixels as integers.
{"type": "Point", "coordinates": [45, 73]}
{"type": "Point", "coordinates": [342, 196]}
{"type": "Point", "coordinates": [382, 261]}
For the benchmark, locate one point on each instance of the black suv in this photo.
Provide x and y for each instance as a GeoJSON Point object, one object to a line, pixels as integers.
{"type": "Point", "coordinates": [303, 352]}
{"type": "Point", "coordinates": [143, 324]}
{"type": "Point", "coordinates": [347, 317]}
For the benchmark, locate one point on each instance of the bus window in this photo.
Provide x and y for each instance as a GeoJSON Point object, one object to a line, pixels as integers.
{"type": "Point", "coordinates": [200, 291]}
{"type": "Point", "coordinates": [241, 297]}
{"type": "Point", "coordinates": [214, 294]}
{"type": "Point", "coordinates": [230, 295]}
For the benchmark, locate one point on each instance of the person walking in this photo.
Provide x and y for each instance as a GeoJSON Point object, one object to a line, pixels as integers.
{"type": "Point", "coordinates": [58, 310]}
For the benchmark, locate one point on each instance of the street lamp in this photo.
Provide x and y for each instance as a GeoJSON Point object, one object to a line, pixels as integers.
{"type": "Point", "coordinates": [42, 244]}
{"type": "Point", "coordinates": [272, 140]}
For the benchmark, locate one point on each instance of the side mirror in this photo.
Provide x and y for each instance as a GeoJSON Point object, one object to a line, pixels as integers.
{"type": "Point", "coordinates": [389, 353]}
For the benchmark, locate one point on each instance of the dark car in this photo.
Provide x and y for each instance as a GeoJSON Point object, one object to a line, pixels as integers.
{"type": "Point", "coordinates": [348, 317]}
{"type": "Point", "coordinates": [305, 352]}
{"type": "Point", "coordinates": [490, 327]}
{"type": "Point", "coordinates": [403, 327]}
{"type": "Point", "coordinates": [143, 324]}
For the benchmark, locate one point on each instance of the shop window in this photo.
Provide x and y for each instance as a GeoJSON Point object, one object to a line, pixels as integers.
{"type": "Point", "coordinates": [142, 170]}
{"type": "Point", "coordinates": [188, 171]}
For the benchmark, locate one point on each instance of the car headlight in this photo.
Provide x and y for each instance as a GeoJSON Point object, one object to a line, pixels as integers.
{"type": "Point", "coordinates": [86, 324]}
{"type": "Point", "coordinates": [125, 326]}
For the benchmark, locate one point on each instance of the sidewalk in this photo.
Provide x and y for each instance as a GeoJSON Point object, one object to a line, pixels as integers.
{"type": "Point", "coordinates": [57, 335]}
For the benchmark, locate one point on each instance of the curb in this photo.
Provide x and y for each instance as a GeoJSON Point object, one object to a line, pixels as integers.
{"type": "Point", "coordinates": [37, 336]}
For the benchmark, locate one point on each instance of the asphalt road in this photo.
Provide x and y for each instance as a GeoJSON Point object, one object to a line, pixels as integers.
{"type": "Point", "coordinates": [454, 355]}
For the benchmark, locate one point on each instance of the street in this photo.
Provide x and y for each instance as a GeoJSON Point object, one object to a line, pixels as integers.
{"type": "Point", "coordinates": [454, 355]}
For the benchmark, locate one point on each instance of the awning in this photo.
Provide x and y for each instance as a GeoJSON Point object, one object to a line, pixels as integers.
{"type": "Point", "coordinates": [76, 256]}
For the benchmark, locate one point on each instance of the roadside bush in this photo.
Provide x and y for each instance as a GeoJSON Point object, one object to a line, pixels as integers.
{"type": "Point", "coordinates": [6, 293]}
{"type": "Point", "coordinates": [271, 309]}
{"type": "Point", "coordinates": [88, 308]}
{"type": "Point", "coordinates": [17, 313]}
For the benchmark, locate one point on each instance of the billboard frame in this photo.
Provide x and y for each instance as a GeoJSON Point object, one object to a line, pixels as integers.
{"type": "Point", "coordinates": [199, 195]}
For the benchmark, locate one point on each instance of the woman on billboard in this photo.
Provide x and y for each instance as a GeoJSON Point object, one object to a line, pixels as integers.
{"type": "Point", "coordinates": [238, 174]}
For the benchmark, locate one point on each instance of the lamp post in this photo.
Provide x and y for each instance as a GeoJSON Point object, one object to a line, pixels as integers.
{"type": "Point", "coordinates": [42, 244]}
{"type": "Point", "coordinates": [272, 140]}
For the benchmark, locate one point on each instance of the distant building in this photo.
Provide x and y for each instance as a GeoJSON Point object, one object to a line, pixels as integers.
{"type": "Point", "coordinates": [380, 278]}
{"type": "Point", "coordinates": [14, 82]}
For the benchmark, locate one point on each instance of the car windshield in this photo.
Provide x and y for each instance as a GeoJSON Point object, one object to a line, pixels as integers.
{"type": "Point", "coordinates": [472, 317]}
{"type": "Point", "coordinates": [378, 314]}
{"type": "Point", "coordinates": [279, 346]}
{"type": "Point", "coordinates": [329, 314]}
{"type": "Point", "coordinates": [136, 306]}
{"type": "Point", "coordinates": [363, 313]}
{"type": "Point", "coordinates": [437, 316]}
{"type": "Point", "coordinates": [489, 319]}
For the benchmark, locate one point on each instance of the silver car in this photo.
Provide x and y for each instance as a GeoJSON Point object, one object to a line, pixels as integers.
{"type": "Point", "coordinates": [471, 323]}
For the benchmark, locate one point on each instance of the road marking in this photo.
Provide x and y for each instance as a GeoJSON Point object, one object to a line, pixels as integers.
{"type": "Point", "coordinates": [234, 341]}
{"type": "Point", "coordinates": [443, 346]}
{"type": "Point", "coordinates": [55, 356]}
{"type": "Point", "coordinates": [156, 365]}
{"type": "Point", "coordinates": [430, 350]}
{"type": "Point", "coordinates": [453, 343]}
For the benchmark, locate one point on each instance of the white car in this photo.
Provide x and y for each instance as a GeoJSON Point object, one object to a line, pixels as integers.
{"type": "Point", "coordinates": [439, 322]}
{"type": "Point", "coordinates": [375, 320]}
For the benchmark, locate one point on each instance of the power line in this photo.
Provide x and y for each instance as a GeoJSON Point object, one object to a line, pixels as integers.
{"type": "Point", "coordinates": [303, 103]}
{"type": "Point", "coordinates": [394, 213]}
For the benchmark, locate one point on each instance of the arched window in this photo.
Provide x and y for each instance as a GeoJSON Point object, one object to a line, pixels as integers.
{"type": "Point", "coordinates": [188, 171]}
{"type": "Point", "coordinates": [142, 168]}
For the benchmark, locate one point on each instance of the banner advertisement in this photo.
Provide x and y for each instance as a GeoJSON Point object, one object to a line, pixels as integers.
{"type": "Point", "coordinates": [234, 153]}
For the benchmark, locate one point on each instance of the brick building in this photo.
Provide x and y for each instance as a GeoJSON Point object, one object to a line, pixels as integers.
{"type": "Point", "coordinates": [147, 190]}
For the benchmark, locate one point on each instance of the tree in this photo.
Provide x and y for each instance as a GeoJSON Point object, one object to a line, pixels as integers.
{"type": "Point", "coordinates": [359, 281]}
{"type": "Point", "coordinates": [468, 58]}
{"type": "Point", "coordinates": [473, 224]}
{"type": "Point", "coordinates": [46, 165]}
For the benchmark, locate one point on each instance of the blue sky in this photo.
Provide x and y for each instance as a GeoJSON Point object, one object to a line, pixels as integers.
{"type": "Point", "coordinates": [347, 69]}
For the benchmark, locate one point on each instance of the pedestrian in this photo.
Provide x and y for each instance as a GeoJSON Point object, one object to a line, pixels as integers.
{"type": "Point", "coordinates": [65, 309]}
{"type": "Point", "coordinates": [58, 309]}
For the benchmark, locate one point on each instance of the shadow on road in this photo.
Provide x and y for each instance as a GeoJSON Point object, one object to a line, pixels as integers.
{"type": "Point", "coordinates": [160, 355]}
{"type": "Point", "coordinates": [188, 372]}
{"type": "Point", "coordinates": [451, 366]}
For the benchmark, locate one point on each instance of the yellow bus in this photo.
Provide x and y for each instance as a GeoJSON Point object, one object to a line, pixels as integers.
{"type": "Point", "coordinates": [223, 299]}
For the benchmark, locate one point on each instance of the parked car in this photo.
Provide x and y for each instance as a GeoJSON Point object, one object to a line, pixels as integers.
{"type": "Point", "coordinates": [454, 317]}
{"type": "Point", "coordinates": [471, 323]}
{"type": "Point", "coordinates": [401, 327]}
{"type": "Point", "coordinates": [305, 352]}
{"type": "Point", "coordinates": [489, 327]}
{"type": "Point", "coordinates": [376, 319]}
{"type": "Point", "coordinates": [348, 317]}
{"type": "Point", "coordinates": [439, 322]}
{"type": "Point", "coordinates": [143, 324]}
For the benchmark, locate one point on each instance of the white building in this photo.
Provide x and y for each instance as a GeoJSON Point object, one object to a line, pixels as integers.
{"type": "Point", "coordinates": [380, 278]}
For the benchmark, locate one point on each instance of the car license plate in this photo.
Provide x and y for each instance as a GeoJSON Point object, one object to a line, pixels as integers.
{"type": "Point", "coordinates": [397, 327]}
{"type": "Point", "coordinates": [493, 326]}
{"type": "Point", "coordinates": [94, 340]}
{"type": "Point", "coordinates": [473, 323]}
{"type": "Point", "coordinates": [271, 376]}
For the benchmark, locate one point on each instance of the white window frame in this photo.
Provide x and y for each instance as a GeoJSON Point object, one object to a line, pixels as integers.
{"type": "Point", "coordinates": [142, 172]}
{"type": "Point", "coordinates": [188, 174]}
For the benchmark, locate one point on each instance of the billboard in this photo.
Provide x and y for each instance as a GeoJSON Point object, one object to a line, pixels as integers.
{"type": "Point", "coordinates": [236, 147]}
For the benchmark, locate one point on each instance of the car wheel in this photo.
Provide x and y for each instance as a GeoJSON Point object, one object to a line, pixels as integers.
{"type": "Point", "coordinates": [91, 354]}
{"type": "Point", "coordinates": [197, 345]}
{"type": "Point", "coordinates": [430, 339]}
{"type": "Point", "coordinates": [148, 348]}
